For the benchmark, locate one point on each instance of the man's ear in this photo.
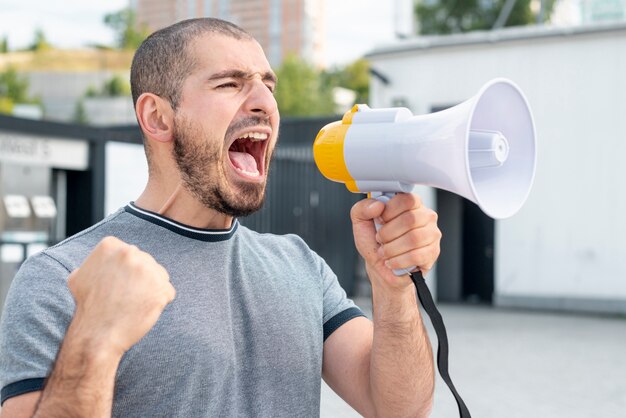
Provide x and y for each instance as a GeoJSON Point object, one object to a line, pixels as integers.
{"type": "Point", "coordinates": [155, 116]}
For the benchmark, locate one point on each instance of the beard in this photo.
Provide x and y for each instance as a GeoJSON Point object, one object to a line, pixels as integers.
{"type": "Point", "coordinates": [200, 159]}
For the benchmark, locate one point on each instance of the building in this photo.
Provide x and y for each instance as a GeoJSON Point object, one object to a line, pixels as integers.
{"type": "Point", "coordinates": [63, 79]}
{"type": "Point", "coordinates": [565, 248]}
{"type": "Point", "coordinates": [282, 27]}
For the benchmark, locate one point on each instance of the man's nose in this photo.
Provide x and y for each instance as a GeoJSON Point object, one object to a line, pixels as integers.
{"type": "Point", "coordinates": [261, 100]}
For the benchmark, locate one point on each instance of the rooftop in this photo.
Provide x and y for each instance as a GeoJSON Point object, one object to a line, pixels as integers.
{"type": "Point", "coordinates": [495, 36]}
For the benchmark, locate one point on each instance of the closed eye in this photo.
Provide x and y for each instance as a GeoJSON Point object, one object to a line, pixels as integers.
{"type": "Point", "coordinates": [229, 85]}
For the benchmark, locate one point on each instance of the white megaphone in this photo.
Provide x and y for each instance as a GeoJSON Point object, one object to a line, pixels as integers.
{"type": "Point", "coordinates": [482, 149]}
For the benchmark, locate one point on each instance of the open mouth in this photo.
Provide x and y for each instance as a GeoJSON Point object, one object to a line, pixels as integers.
{"type": "Point", "coordinates": [247, 154]}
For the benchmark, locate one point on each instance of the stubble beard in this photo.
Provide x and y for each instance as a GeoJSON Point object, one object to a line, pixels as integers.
{"type": "Point", "coordinates": [200, 161]}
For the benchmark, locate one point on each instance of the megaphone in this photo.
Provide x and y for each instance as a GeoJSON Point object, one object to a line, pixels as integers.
{"type": "Point", "coordinates": [483, 149]}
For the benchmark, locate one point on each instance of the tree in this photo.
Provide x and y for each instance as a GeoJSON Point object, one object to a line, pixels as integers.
{"type": "Point", "coordinates": [115, 87]}
{"type": "Point", "coordinates": [355, 76]}
{"type": "Point", "coordinates": [4, 45]}
{"type": "Point", "coordinates": [40, 43]}
{"type": "Point", "coordinates": [300, 91]}
{"type": "Point", "coordinates": [80, 114]}
{"type": "Point", "coordinates": [437, 17]}
{"type": "Point", "coordinates": [124, 23]}
{"type": "Point", "coordinates": [13, 89]}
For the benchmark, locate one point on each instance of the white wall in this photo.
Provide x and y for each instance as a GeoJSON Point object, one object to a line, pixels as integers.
{"type": "Point", "coordinates": [568, 243]}
{"type": "Point", "coordinates": [126, 174]}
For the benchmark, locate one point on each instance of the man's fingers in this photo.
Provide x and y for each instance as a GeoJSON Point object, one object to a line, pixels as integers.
{"type": "Point", "coordinates": [366, 210]}
{"type": "Point", "coordinates": [407, 221]}
{"type": "Point", "coordinates": [423, 258]}
{"type": "Point", "coordinates": [120, 291]}
{"type": "Point", "coordinates": [400, 203]}
{"type": "Point", "coordinates": [413, 239]}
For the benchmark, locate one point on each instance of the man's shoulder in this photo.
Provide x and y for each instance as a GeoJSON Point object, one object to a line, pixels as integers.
{"type": "Point", "coordinates": [272, 242]}
{"type": "Point", "coordinates": [289, 249]}
{"type": "Point", "coordinates": [71, 252]}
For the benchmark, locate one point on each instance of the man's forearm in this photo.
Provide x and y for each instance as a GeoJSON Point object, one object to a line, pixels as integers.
{"type": "Point", "coordinates": [401, 368]}
{"type": "Point", "coordinates": [82, 381]}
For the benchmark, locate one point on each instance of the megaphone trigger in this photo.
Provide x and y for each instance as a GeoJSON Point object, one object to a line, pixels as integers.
{"type": "Point", "coordinates": [386, 197]}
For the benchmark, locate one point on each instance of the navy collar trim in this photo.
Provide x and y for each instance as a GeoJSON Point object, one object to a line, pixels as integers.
{"type": "Point", "coordinates": [209, 235]}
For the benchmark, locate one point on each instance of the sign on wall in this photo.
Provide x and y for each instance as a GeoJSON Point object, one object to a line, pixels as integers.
{"type": "Point", "coordinates": [47, 151]}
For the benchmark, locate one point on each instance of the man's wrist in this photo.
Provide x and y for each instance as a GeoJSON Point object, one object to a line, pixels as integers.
{"type": "Point", "coordinates": [93, 346]}
{"type": "Point", "coordinates": [395, 305]}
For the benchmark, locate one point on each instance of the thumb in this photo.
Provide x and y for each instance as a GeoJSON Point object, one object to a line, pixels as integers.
{"type": "Point", "coordinates": [362, 215]}
{"type": "Point", "coordinates": [366, 210]}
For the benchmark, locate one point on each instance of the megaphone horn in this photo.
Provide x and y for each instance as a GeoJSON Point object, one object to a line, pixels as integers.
{"type": "Point", "coordinates": [483, 149]}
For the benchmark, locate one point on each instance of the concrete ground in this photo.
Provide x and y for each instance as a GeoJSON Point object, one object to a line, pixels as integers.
{"type": "Point", "coordinates": [523, 364]}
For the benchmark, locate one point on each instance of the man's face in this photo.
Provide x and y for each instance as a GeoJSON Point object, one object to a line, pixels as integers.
{"type": "Point", "coordinates": [226, 124]}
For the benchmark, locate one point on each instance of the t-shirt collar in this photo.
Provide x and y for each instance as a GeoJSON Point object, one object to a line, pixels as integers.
{"type": "Point", "coordinates": [201, 234]}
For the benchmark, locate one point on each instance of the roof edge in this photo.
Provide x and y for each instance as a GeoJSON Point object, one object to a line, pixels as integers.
{"type": "Point", "coordinates": [513, 33]}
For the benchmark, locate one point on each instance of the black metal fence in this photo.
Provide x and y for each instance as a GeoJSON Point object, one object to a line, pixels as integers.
{"type": "Point", "coordinates": [299, 200]}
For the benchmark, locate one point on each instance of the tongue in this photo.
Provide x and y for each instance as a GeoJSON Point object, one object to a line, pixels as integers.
{"type": "Point", "coordinates": [243, 161]}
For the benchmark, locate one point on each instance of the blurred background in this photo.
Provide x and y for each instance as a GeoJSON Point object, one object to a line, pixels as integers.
{"type": "Point", "coordinates": [70, 153]}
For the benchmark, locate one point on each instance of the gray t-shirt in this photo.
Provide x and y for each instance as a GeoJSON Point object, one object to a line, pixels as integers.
{"type": "Point", "coordinates": [244, 336]}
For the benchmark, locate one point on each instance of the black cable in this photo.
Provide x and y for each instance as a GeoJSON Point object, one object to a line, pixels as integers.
{"type": "Point", "coordinates": [426, 299]}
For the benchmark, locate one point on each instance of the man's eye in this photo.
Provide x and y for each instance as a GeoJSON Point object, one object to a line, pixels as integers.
{"type": "Point", "coordinates": [271, 88]}
{"type": "Point", "coordinates": [230, 85]}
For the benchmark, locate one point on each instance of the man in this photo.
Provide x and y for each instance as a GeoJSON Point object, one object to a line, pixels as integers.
{"type": "Point", "coordinates": [169, 307]}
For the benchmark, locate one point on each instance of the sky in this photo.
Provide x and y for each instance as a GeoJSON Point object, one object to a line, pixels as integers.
{"type": "Point", "coordinates": [353, 27]}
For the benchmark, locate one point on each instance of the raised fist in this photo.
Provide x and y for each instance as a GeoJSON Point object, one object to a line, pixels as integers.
{"type": "Point", "coordinates": [120, 292]}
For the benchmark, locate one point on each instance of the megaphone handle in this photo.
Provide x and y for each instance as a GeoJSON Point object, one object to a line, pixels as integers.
{"type": "Point", "coordinates": [386, 197]}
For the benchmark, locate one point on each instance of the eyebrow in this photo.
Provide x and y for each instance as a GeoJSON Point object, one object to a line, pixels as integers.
{"type": "Point", "coordinates": [267, 76]}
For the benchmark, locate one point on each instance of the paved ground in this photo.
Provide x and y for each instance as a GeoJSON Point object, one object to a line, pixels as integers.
{"type": "Point", "coordinates": [514, 364]}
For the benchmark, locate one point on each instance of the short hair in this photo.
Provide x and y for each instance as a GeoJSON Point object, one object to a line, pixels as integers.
{"type": "Point", "coordinates": [162, 62]}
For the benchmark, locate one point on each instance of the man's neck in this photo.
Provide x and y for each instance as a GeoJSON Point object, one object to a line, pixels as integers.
{"type": "Point", "coordinates": [175, 202]}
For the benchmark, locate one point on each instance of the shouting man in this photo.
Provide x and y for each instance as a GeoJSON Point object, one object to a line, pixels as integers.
{"type": "Point", "coordinates": [169, 307]}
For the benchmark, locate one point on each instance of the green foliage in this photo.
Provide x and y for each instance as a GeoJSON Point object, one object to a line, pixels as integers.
{"type": "Point", "coordinates": [80, 114]}
{"type": "Point", "coordinates": [91, 91]}
{"type": "Point", "coordinates": [40, 43]}
{"type": "Point", "coordinates": [13, 87]}
{"type": "Point", "coordinates": [358, 79]}
{"type": "Point", "coordinates": [6, 105]}
{"type": "Point", "coordinates": [13, 90]}
{"type": "Point", "coordinates": [354, 76]}
{"type": "Point", "coordinates": [303, 90]}
{"type": "Point", "coordinates": [124, 23]}
{"type": "Point", "coordinates": [116, 86]}
{"type": "Point", "coordinates": [452, 16]}
{"type": "Point", "coordinates": [300, 91]}
{"type": "Point", "coordinates": [4, 45]}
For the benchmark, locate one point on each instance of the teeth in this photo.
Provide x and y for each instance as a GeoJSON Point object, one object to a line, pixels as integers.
{"type": "Point", "coordinates": [255, 136]}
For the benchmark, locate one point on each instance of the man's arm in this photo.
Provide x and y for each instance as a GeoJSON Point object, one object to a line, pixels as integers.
{"type": "Point", "coordinates": [120, 293]}
{"type": "Point", "coordinates": [385, 368]}
{"type": "Point", "coordinates": [22, 406]}
{"type": "Point", "coordinates": [81, 383]}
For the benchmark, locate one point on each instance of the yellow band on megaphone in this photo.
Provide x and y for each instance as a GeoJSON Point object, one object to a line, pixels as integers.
{"type": "Point", "coordinates": [328, 151]}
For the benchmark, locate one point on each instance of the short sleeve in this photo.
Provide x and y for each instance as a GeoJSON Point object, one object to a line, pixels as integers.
{"type": "Point", "coordinates": [37, 312]}
{"type": "Point", "coordinates": [338, 308]}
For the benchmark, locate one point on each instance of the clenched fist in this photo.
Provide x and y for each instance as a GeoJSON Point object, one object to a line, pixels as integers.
{"type": "Point", "coordinates": [409, 236]}
{"type": "Point", "coordinates": [120, 292]}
